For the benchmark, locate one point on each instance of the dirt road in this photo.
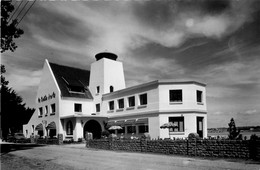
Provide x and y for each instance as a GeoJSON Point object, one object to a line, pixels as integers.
{"type": "Point", "coordinates": [78, 157]}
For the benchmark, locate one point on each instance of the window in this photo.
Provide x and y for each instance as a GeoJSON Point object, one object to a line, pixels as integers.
{"type": "Point", "coordinates": [98, 89]}
{"type": "Point", "coordinates": [53, 109]}
{"type": "Point", "coordinates": [143, 128]}
{"type": "Point", "coordinates": [143, 99]}
{"type": "Point", "coordinates": [69, 128]}
{"type": "Point", "coordinates": [76, 89]}
{"type": "Point", "coordinates": [77, 107]}
{"type": "Point", "coordinates": [120, 103]}
{"type": "Point", "coordinates": [46, 110]}
{"type": "Point", "coordinates": [199, 96]}
{"type": "Point", "coordinates": [119, 131]}
{"type": "Point", "coordinates": [111, 105]}
{"type": "Point", "coordinates": [131, 101]}
{"type": "Point", "coordinates": [97, 107]}
{"type": "Point", "coordinates": [131, 129]}
{"type": "Point", "coordinates": [40, 112]}
{"type": "Point", "coordinates": [111, 88]}
{"type": "Point", "coordinates": [32, 129]}
{"type": "Point", "coordinates": [175, 95]}
{"type": "Point", "coordinates": [179, 121]}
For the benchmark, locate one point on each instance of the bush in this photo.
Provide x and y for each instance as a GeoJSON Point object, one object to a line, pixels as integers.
{"type": "Point", "coordinates": [193, 136]}
{"type": "Point", "coordinates": [105, 133]}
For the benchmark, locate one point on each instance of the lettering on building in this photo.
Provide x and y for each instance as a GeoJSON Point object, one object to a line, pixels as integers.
{"type": "Point", "coordinates": [46, 97]}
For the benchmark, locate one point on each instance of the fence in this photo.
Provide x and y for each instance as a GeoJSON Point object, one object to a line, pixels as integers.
{"type": "Point", "coordinates": [244, 149]}
{"type": "Point", "coordinates": [55, 141]}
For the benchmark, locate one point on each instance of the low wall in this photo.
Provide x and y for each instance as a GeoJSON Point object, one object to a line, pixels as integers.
{"type": "Point", "coordinates": [55, 141]}
{"type": "Point", "coordinates": [204, 148]}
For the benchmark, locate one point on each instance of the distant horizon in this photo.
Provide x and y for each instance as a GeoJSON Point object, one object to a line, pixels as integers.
{"type": "Point", "coordinates": [214, 42]}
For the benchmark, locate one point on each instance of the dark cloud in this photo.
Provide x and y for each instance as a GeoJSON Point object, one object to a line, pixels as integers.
{"type": "Point", "coordinates": [215, 6]}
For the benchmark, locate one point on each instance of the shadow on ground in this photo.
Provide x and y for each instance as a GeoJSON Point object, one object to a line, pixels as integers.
{"type": "Point", "coordinates": [10, 147]}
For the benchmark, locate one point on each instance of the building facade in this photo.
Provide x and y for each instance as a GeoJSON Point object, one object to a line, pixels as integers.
{"type": "Point", "coordinates": [73, 101]}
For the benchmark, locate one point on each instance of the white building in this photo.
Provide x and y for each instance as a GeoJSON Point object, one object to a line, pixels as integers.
{"type": "Point", "coordinates": [72, 101]}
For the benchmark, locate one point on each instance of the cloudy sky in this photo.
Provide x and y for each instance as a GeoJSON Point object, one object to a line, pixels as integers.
{"type": "Point", "coordinates": [215, 42]}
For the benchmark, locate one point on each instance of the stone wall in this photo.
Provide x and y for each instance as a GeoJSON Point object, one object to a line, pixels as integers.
{"type": "Point", "coordinates": [204, 148]}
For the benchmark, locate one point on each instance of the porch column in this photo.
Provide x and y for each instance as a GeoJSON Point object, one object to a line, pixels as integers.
{"type": "Point", "coordinates": [78, 129]}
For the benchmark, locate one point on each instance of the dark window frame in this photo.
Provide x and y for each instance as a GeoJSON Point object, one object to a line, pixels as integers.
{"type": "Point", "coordinates": [98, 107]}
{"type": "Point", "coordinates": [176, 95]}
{"type": "Point", "coordinates": [77, 107]}
{"type": "Point", "coordinates": [131, 129]}
{"type": "Point", "coordinates": [199, 94]}
{"type": "Point", "coordinates": [143, 99]}
{"type": "Point", "coordinates": [145, 130]}
{"type": "Point", "coordinates": [179, 120]}
{"type": "Point", "coordinates": [131, 101]}
{"type": "Point", "coordinates": [69, 128]}
{"type": "Point", "coordinates": [121, 103]}
{"type": "Point", "coordinates": [111, 105]}
{"type": "Point", "coordinates": [111, 89]}
{"type": "Point", "coordinates": [53, 108]}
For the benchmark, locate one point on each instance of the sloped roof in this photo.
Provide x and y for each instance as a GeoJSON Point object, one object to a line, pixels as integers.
{"type": "Point", "coordinates": [68, 76]}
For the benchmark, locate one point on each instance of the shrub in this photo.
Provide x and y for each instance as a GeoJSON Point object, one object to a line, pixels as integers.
{"type": "Point", "coordinates": [193, 136]}
{"type": "Point", "coordinates": [233, 132]}
{"type": "Point", "coordinates": [105, 133]}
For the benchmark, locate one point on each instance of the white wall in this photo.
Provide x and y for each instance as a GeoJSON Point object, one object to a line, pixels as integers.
{"type": "Point", "coordinates": [46, 87]}
{"type": "Point", "coordinates": [190, 124]}
{"type": "Point", "coordinates": [67, 106]}
{"type": "Point", "coordinates": [188, 97]}
{"type": "Point", "coordinates": [105, 73]}
{"type": "Point", "coordinates": [152, 101]}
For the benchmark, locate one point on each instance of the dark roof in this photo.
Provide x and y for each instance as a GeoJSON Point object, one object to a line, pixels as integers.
{"type": "Point", "coordinates": [72, 80]}
{"type": "Point", "coordinates": [108, 55]}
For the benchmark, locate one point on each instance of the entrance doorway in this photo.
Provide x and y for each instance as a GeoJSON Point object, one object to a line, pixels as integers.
{"type": "Point", "coordinates": [200, 126]}
{"type": "Point", "coordinates": [93, 127]}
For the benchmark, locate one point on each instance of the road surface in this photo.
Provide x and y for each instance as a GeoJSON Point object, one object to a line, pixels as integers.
{"type": "Point", "coordinates": [76, 156]}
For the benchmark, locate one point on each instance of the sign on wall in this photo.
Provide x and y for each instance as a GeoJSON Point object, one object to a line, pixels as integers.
{"type": "Point", "coordinates": [46, 97]}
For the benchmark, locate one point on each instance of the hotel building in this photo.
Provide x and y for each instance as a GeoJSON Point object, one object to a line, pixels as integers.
{"type": "Point", "coordinates": [72, 101]}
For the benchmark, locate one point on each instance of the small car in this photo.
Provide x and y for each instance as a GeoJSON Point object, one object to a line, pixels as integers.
{"type": "Point", "coordinates": [19, 136]}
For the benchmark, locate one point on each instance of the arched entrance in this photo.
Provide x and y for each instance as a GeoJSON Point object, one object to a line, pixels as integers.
{"type": "Point", "coordinates": [93, 127]}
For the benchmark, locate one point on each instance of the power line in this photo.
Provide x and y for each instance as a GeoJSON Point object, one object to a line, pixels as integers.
{"type": "Point", "coordinates": [15, 11]}
{"type": "Point", "coordinates": [21, 10]}
{"type": "Point", "coordinates": [26, 12]}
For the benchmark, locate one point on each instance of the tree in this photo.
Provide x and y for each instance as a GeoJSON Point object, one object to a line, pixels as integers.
{"type": "Point", "coordinates": [9, 29]}
{"type": "Point", "coordinates": [233, 132]}
{"type": "Point", "coordinates": [13, 111]}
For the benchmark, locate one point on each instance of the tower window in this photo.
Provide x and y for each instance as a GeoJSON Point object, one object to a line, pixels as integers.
{"type": "Point", "coordinates": [111, 89]}
{"type": "Point", "coordinates": [98, 90]}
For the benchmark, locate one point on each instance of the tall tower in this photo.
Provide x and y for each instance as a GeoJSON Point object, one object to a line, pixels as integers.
{"type": "Point", "coordinates": [106, 75]}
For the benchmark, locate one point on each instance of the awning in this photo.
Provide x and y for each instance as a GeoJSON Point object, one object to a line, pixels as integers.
{"type": "Point", "coordinates": [132, 121]}
{"type": "Point", "coordinates": [142, 121]}
{"type": "Point", "coordinates": [120, 122]}
{"type": "Point", "coordinates": [111, 123]}
{"type": "Point", "coordinates": [39, 127]}
{"type": "Point", "coordinates": [51, 125]}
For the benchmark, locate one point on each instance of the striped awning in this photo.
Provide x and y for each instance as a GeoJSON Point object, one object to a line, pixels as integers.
{"type": "Point", "coordinates": [39, 127]}
{"type": "Point", "coordinates": [131, 121]}
{"type": "Point", "coordinates": [142, 121]}
{"type": "Point", "coordinates": [51, 125]}
{"type": "Point", "coordinates": [120, 122]}
{"type": "Point", "coordinates": [111, 123]}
